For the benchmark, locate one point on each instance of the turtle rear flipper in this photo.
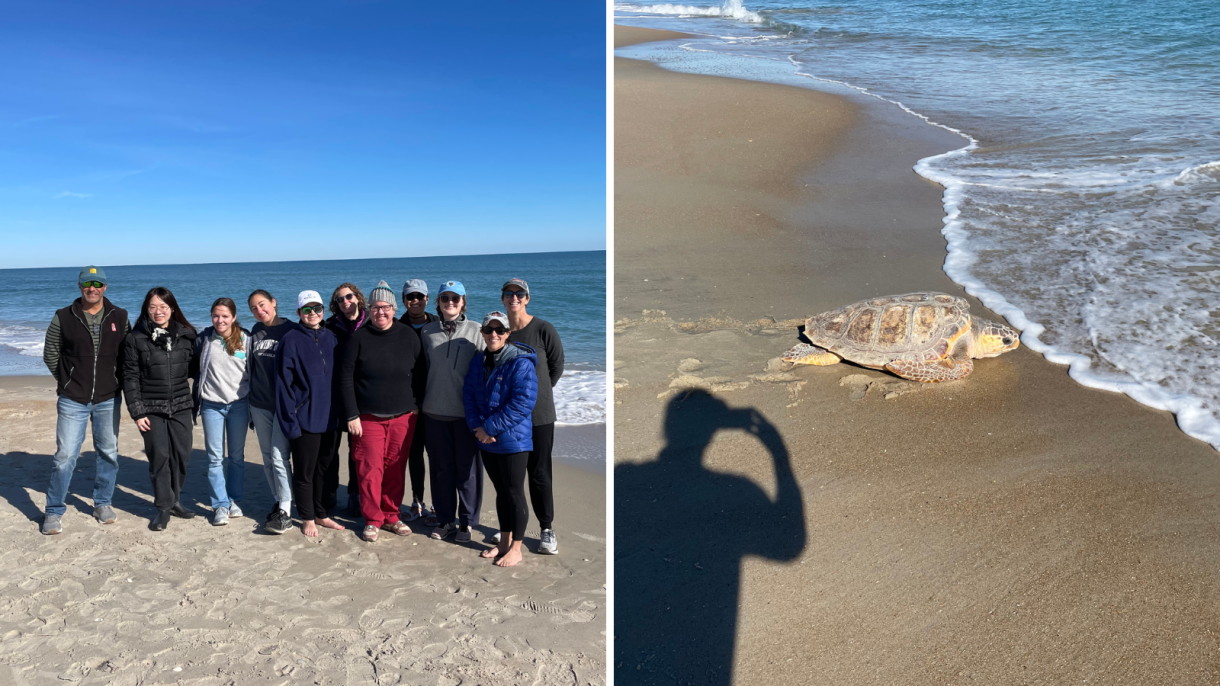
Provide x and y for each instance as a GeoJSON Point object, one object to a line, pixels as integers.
{"type": "Point", "coordinates": [802, 353]}
{"type": "Point", "coordinates": [948, 369]}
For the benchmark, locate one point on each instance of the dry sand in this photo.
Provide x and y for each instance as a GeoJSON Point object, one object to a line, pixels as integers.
{"type": "Point", "coordinates": [846, 526]}
{"type": "Point", "coordinates": [120, 604]}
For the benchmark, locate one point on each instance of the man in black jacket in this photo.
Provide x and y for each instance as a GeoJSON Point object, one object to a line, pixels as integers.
{"type": "Point", "coordinates": [82, 351]}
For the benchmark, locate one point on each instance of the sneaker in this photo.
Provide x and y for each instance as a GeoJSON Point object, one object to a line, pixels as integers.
{"type": "Point", "coordinates": [443, 531]}
{"type": "Point", "coordinates": [463, 534]}
{"type": "Point", "coordinates": [51, 525]}
{"type": "Point", "coordinates": [234, 510]}
{"type": "Point", "coordinates": [279, 522]}
{"type": "Point", "coordinates": [104, 514]}
{"type": "Point", "coordinates": [220, 516]}
{"type": "Point", "coordinates": [549, 545]}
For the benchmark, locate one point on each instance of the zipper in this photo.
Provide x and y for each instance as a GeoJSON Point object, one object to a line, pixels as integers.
{"type": "Point", "coordinates": [105, 316]}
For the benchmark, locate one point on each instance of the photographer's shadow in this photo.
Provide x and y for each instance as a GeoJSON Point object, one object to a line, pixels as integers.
{"type": "Point", "coordinates": [681, 532]}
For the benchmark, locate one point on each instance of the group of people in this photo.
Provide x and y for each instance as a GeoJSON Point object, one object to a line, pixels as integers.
{"type": "Point", "coordinates": [473, 397]}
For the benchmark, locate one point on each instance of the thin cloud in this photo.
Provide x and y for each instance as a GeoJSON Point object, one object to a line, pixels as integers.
{"type": "Point", "coordinates": [70, 194]}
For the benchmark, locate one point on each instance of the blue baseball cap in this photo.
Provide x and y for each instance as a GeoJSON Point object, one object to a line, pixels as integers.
{"type": "Point", "coordinates": [414, 286]}
{"type": "Point", "coordinates": [92, 273]}
{"type": "Point", "coordinates": [453, 287]}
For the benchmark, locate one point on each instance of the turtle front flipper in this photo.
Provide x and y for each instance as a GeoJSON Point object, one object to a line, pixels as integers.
{"type": "Point", "coordinates": [947, 369]}
{"type": "Point", "coordinates": [810, 354]}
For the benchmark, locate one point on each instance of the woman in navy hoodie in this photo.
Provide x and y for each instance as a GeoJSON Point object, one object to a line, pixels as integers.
{"type": "Point", "coordinates": [306, 363]}
{"type": "Point", "coordinates": [499, 393]}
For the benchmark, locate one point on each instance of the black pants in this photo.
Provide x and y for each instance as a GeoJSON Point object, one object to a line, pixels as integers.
{"type": "Point", "coordinates": [507, 473]}
{"type": "Point", "coordinates": [415, 461]}
{"type": "Point", "coordinates": [168, 447]}
{"type": "Point", "coordinates": [539, 468]}
{"type": "Point", "coordinates": [330, 482]}
{"type": "Point", "coordinates": [312, 455]}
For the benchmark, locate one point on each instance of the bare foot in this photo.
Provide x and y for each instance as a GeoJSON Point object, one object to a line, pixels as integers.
{"type": "Point", "coordinates": [506, 539]}
{"type": "Point", "coordinates": [309, 528]}
{"type": "Point", "coordinates": [328, 523]}
{"type": "Point", "coordinates": [511, 558]}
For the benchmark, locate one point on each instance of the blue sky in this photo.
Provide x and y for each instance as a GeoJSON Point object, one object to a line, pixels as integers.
{"type": "Point", "coordinates": [223, 131]}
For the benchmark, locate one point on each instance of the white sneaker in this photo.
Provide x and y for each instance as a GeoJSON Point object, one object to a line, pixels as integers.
{"type": "Point", "coordinates": [549, 545]}
{"type": "Point", "coordinates": [234, 510]}
{"type": "Point", "coordinates": [220, 516]}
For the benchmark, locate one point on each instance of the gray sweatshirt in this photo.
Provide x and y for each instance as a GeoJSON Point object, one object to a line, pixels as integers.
{"type": "Point", "coordinates": [448, 349]}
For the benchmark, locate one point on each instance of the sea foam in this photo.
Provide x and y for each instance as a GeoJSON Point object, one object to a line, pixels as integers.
{"type": "Point", "coordinates": [729, 9]}
{"type": "Point", "coordinates": [27, 340]}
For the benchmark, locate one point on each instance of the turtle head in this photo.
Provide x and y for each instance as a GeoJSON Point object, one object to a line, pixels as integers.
{"type": "Point", "coordinates": [992, 339]}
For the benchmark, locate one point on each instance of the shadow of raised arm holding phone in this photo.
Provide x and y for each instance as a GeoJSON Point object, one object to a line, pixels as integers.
{"type": "Point", "coordinates": [681, 531]}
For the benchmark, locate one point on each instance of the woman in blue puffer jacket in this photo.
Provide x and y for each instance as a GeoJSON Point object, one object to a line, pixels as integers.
{"type": "Point", "coordinates": [499, 393]}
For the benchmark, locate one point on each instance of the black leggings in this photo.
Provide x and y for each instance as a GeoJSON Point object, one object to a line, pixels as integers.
{"type": "Point", "coordinates": [539, 468]}
{"type": "Point", "coordinates": [415, 462]}
{"type": "Point", "coordinates": [311, 457]}
{"type": "Point", "coordinates": [507, 473]}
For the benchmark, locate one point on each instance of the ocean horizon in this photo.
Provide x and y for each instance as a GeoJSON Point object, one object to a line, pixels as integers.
{"type": "Point", "coordinates": [1083, 203]}
{"type": "Point", "coordinates": [567, 289]}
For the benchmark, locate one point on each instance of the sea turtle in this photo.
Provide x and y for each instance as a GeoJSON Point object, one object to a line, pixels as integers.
{"type": "Point", "coordinates": [925, 337]}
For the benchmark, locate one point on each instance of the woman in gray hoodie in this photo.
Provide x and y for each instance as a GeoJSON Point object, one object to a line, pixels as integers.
{"type": "Point", "coordinates": [456, 470]}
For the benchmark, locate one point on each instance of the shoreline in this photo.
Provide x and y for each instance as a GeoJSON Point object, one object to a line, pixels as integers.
{"type": "Point", "coordinates": [233, 603]}
{"type": "Point", "coordinates": [1014, 526]}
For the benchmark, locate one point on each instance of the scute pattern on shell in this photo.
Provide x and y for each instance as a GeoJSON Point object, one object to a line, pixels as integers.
{"type": "Point", "coordinates": [918, 327]}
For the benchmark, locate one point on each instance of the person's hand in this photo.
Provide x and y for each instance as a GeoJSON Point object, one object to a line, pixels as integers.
{"type": "Point", "coordinates": [143, 424]}
{"type": "Point", "coordinates": [353, 428]}
{"type": "Point", "coordinates": [480, 434]}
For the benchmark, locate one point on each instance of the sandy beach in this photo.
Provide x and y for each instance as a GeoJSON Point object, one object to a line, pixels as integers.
{"type": "Point", "coordinates": [199, 604]}
{"type": "Point", "coordinates": [839, 525]}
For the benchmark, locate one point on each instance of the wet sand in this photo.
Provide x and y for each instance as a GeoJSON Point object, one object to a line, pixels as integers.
{"type": "Point", "coordinates": [120, 604]}
{"type": "Point", "coordinates": [1009, 528]}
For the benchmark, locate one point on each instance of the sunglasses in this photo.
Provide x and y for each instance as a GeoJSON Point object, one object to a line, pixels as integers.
{"type": "Point", "coordinates": [348, 298]}
{"type": "Point", "coordinates": [497, 330]}
{"type": "Point", "coordinates": [92, 284]}
{"type": "Point", "coordinates": [412, 297]}
{"type": "Point", "coordinates": [520, 295]}
{"type": "Point", "coordinates": [450, 298]}
{"type": "Point", "coordinates": [315, 309]}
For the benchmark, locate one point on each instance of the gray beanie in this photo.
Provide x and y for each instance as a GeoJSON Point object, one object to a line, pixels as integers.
{"type": "Point", "coordinates": [382, 293]}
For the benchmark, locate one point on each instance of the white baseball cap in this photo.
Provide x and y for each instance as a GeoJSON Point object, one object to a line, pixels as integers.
{"type": "Point", "coordinates": [307, 297]}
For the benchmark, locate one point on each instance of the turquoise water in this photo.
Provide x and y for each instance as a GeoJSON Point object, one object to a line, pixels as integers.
{"type": "Point", "coordinates": [1084, 203]}
{"type": "Point", "coordinates": [566, 289]}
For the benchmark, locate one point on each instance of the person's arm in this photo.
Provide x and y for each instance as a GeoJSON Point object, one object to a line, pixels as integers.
{"type": "Point", "coordinates": [554, 354]}
{"type": "Point", "coordinates": [52, 346]}
{"type": "Point", "coordinates": [419, 375]}
{"type": "Point", "coordinates": [131, 379]}
{"type": "Point", "coordinates": [349, 408]}
{"type": "Point", "coordinates": [470, 389]}
{"type": "Point", "coordinates": [285, 398]}
{"type": "Point", "coordinates": [522, 395]}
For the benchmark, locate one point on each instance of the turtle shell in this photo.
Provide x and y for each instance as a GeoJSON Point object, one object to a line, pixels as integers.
{"type": "Point", "coordinates": [918, 327]}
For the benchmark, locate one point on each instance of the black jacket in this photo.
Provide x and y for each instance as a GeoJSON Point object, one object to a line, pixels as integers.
{"type": "Point", "coordinates": [82, 374]}
{"type": "Point", "coordinates": [156, 379]}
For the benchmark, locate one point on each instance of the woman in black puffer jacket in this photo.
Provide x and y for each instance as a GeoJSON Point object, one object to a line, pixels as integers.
{"type": "Point", "coordinates": [158, 361]}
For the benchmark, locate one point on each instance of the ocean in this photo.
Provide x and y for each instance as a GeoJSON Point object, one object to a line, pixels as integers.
{"type": "Point", "coordinates": [567, 289]}
{"type": "Point", "coordinates": [1084, 202]}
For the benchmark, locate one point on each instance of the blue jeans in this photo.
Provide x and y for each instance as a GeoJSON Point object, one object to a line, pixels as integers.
{"type": "Point", "coordinates": [227, 477]}
{"type": "Point", "coordinates": [70, 436]}
{"type": "Point", "coordinates": [274, 446]}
